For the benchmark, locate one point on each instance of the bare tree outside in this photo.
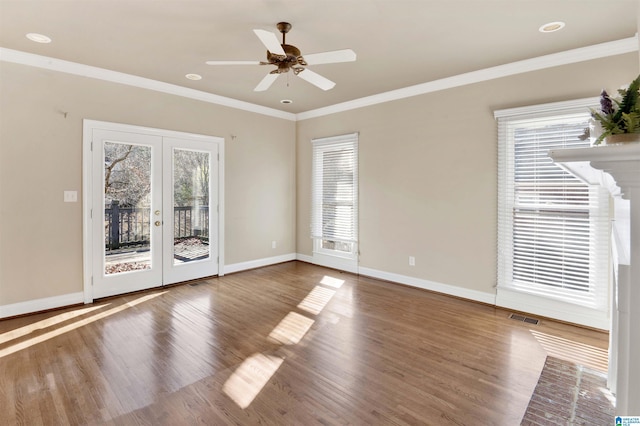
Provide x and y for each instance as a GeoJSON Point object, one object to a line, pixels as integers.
{"type": "Point", "coordinates": [127, 197]}
{"type": "Point", "coordinates": [127, 171]}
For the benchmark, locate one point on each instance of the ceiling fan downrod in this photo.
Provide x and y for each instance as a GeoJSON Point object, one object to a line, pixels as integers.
{"type": "Point", "coordinates": [284, 28]}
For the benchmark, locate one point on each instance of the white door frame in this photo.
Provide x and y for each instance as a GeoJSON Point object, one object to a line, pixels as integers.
{"type": "Point", "coordinates": [87, 189]}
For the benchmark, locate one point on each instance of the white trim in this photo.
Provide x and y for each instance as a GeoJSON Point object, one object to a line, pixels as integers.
{"type": "Point", "coordinates": [87, 213]}
{"type": "Point", "coordinates": [451, 290]}
{"type": "Point", "coordinates": [602, 50]}
{"type": "Point", "coordinates": [333, 262]}
{"type": "Point", "coordinates": [345, 138]}
{"type": "Point", "coordinates": [221, 208]}
{"type": "Point", "coordinates": [24, 58]}
{"type": "Point", "coordinates": [597, 51]}
{"type": "Point", "coordinates": [258, 263]}
{"type": "Point", "coordinates": [38, 305]}
{"type": "Point", "coordinates": [577, 105]}
{"type": "Point", "coordinates": [550, 308]}
{"type": "Point", "coordinates": [132, 128]}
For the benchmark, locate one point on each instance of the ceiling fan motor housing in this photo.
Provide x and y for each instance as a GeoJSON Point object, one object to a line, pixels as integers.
{"type": "Point", "coordinates": [284, 63]}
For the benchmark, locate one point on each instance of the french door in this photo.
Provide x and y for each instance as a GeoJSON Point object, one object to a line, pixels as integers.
{"type": "Point", "coordinates": [153, 209]}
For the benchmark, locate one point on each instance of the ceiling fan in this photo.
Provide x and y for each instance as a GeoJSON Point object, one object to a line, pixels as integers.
{"type": "Point", "coordinates": [288, 57]}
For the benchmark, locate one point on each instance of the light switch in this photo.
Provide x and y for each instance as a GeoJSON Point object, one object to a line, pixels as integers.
{"type": "Point", "coordinates": [70, 196]}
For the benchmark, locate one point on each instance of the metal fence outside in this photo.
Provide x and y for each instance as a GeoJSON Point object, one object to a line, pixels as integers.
{"type": "Point", "coordinates": [131, 226]}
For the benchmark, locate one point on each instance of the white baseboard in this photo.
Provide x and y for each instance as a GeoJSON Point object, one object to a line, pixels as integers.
{"type": "Point", "coordinates": [38, 305]}
{"type": "Point", "coordinates": [258, 263]}
{"type": "Point", "coordinates": [304, 258]}
{"type": "Point", "coordinates": [447, 289]}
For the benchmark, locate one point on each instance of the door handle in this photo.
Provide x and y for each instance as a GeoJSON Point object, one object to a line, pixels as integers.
{"type": "Point", "coordinates": [157, 223]}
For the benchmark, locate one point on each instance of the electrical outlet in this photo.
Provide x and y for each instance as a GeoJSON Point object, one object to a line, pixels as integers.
{"type": "Point", "coordinates": [412, 261]}
{"type": "Point", "coordinates": [273, 244]}
{"type": "Point", "coordinates": [70, 196]}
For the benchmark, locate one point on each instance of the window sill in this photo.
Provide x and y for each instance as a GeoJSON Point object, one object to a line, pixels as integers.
{"type": "Point", "coordinates": [348, 264]}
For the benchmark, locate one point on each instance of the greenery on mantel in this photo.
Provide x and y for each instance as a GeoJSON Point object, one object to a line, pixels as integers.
{"type": "Point", "coordinates": [617, 115]}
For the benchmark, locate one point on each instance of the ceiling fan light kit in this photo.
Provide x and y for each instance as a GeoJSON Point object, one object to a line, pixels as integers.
{"type": "Point", "coordinates": [287, 57]}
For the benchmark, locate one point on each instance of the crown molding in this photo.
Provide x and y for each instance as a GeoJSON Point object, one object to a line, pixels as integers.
{"type": "Point", "coordinates": [602, 50]}
{"type": "Point", "coordinates": [553, 107]}
{"type": "Point", "coordinates": [30, 59]}
{"type": "Point", "coordinates": [596, 51]}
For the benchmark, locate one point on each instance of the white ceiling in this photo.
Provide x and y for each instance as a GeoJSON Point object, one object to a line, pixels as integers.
{"type": "Point", "coordinates": [398, 43]}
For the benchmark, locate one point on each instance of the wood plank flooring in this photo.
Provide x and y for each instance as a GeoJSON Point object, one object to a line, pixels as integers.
{"type": "Point", "coordinates": [289, 344]}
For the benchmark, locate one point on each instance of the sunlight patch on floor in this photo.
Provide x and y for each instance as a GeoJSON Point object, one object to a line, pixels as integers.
{"type": "Point", "coordinates": [59, 331]}
{"type": "Point", "coordinates": [248, 380]}
{"type": "Point", "coordinates": [316, 300]}
{"type": "Point", "coordinates": [579, 353]}
{"type": "Point", "coordinates": [291, 329]}
{"type": "Point", "coordinates": [46, 323]}
{"type": "Point", "coordinates": [253, 374]}
{"type": "Point", "coordinates": [332, 282]}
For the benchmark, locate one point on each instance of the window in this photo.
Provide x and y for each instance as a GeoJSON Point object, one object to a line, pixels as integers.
{"type": "Point", "coordinates": [553, 229]}
{"type": "Point", "coordinates": [334, 216]}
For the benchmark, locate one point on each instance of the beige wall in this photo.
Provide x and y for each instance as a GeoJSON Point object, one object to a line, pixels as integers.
{"type": "Point", "coordinates": [427, 175]}
{"type": "Point", "coordinates": [428, 170]}
{"type": "Point", "coordinates": [41, 156]}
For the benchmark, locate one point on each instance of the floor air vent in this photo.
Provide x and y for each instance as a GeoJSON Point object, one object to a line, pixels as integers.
{"type": "Point", "coordinates": [524, 319]}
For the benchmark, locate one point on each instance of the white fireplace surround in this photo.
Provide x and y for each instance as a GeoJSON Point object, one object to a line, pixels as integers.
{"type": "Point", "coordinates": [617, 167]}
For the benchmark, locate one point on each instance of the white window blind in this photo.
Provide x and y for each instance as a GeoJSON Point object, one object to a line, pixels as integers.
{"type": "Point", "coordinates": [334, 216]}
{"type": "Point", "coordinates": [553, 229]}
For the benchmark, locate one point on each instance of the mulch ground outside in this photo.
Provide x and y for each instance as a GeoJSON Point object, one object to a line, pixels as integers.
{"type": "Point", "coordinates": [185, 250]}
{"type": "Point", "coordinates": [570, 394]}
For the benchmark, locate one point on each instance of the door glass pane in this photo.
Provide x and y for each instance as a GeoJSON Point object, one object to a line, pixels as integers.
{"type": "Point", "coordinates": [190, 205]}
{"type": "Point", "coordinates": [127, 212]}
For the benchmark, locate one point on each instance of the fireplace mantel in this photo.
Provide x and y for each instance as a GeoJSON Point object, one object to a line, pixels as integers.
{"type": "Point", "coordinates": [620, 162]}
{"type": "Point", "coordinates": [617, 167]}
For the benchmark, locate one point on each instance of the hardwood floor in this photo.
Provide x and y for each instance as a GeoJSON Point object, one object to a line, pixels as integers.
{"type": "Point", "coordinates": [289, 344]}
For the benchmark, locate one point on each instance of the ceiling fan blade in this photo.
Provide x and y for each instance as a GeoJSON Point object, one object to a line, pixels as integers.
{"type": "Point", "coordinates": [316, 79]}
{"type": "Point", "coordinates": [346, 55]}
{"type": "Point", "coordinates": [266, 82]}
{"type": "Point", "coordinates": [233, 62]}
{"type": "Point", "coordinates": [270, 41]}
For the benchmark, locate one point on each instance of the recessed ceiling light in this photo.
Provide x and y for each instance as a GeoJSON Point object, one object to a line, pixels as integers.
{"type": "Point", "coordinates": [38, 38]}
{"type": "Point", "coordinates": [551, 27]}
{"type": "Point", "coordinates": [194, 76]}
{"type": "Point", "coordinates": [286, 101]}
